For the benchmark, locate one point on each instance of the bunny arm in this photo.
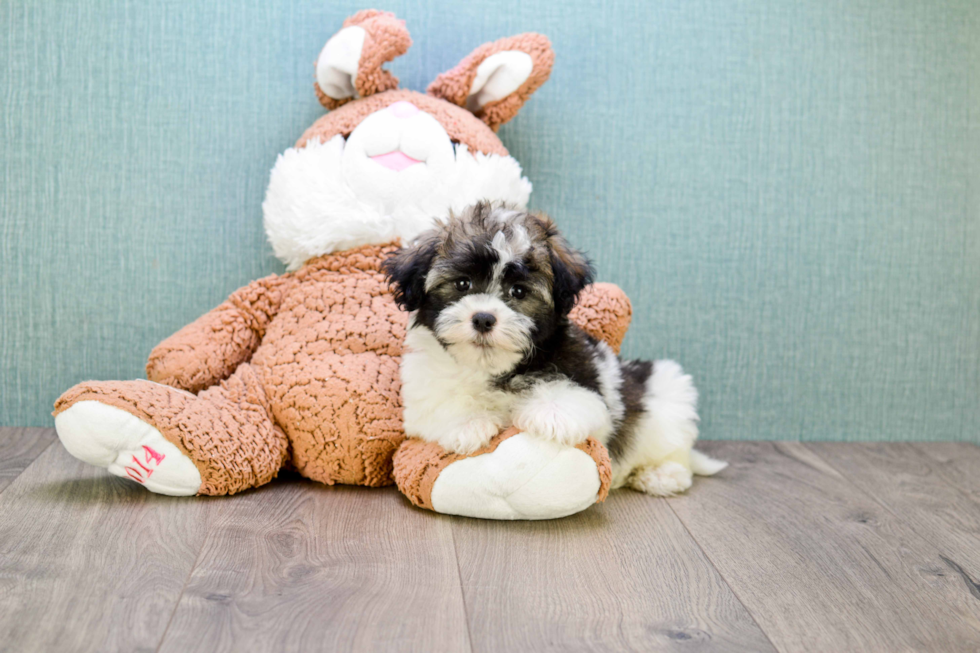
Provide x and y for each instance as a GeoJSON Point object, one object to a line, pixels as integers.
{"type": "Point", "coordinates": [604, 311]}
{"type": "Point", "coordinates": [210, 349]}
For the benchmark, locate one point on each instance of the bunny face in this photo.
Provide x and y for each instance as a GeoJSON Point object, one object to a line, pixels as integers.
{"type": "Point", "coordinates": [385, 164]}
{"type": "Point", "coordinates": [401, 153]}
{"type": "Point", "coordinates": [410, 144]}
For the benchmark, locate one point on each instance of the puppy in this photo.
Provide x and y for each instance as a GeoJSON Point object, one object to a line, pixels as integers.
{"type": "Point", "coordinates": [490, 345]}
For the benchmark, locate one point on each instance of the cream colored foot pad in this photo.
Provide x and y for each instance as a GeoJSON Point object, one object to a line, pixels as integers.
{"type": "Point", "coordinates": [109, 437]}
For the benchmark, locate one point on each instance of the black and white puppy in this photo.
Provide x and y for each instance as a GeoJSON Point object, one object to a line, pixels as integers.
{"type": "Point", "coordinates": [490, 345]}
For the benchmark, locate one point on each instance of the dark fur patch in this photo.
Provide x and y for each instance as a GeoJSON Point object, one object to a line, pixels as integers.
{"type": "Point", "coordinates": [567, 352]}
{"type": "Point", "coordinates": [406, 270]}
{"type": "Point", "coordinates": [635, 377]}
{"type": "Point", "coordinates": [572, 270]}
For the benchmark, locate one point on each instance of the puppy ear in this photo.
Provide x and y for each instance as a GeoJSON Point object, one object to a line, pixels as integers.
{"type": "Point", "coordinates": [571, 268]}
{"type": "Point", "coordinates": [407, 269]}
{"type": "Point", "coordinates": [349, 66]}
{"type": "Point", "coordinates": [497, 78]}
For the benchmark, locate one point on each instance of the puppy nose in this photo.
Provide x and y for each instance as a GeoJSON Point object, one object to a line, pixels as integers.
{"type": "Point", "coordinates": [483, 322]}
{"type": "Point", "coordinates": [403, 109]}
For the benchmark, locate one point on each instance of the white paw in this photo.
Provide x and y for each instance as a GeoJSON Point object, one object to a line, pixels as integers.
{"type": "Point", "coordinates": [470, 436]}
{"type": "Point", "coordinates": [109, 437]}
{"type": "Point", "coordinates": [665, 480]}
{"type": "Point", "coordinates": [550, 421]}
{"type": "Point", "coordinates": [563, 412]}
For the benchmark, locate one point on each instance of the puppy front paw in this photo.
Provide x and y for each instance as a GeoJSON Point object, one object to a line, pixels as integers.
{"type": "Point", "coordinates": [549, 421]}
{"type": "Point", "coordinates": [564, 413]}
{"type": "Point", "coordinates": [470, 436]}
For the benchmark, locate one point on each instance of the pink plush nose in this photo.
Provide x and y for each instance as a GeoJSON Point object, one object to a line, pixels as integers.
{"type": "Point", "coordinates": [403, 109]}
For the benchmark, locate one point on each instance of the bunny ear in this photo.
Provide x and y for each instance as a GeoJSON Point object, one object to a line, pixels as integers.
{"type": "Point", "coordinates": [497, 78]}
{"type": "Point", "coordinates": [349, 66]}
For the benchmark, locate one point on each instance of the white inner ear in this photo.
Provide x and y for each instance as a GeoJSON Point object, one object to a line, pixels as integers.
{"type": "Point", "coordinates": [336, 68]}
{"type": "Point", "coordinates": [498, 76]}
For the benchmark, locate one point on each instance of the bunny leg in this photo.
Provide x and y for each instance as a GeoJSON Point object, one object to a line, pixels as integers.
{"type": "Point", "coordinates": [221, 441]}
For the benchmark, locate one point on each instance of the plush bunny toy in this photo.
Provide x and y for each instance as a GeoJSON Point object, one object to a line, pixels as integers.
{"type": "Point", "coordinates": [302, 369]}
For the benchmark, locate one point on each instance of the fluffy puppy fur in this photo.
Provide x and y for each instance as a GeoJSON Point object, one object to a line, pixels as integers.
{"type": "Point", "coordinates": [490, 345]}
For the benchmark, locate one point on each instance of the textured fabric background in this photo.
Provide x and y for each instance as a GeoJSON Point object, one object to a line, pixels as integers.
{"type": "Point", "coordinates": [788, 190]}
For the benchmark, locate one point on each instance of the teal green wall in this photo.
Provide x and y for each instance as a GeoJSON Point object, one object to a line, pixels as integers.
{"type": "Point", "coordinates": [788, 190]}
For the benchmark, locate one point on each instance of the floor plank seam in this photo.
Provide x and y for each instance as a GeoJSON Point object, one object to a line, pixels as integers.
{"type": "Point", "coordinates": [462, 592]}
{"type": "Point", "coordinates": [33, 462]}
{"type": "Point", "coordinates": [183, 589]}
{"type": "Point", "coordinates": [722, 577]}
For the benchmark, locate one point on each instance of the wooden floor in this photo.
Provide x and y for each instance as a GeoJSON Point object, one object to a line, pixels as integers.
{"type": "Point", "coordinates": [795, 547]}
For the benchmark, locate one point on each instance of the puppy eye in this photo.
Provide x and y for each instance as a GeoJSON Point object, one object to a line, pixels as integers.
{"type": "Point", "coordinates": [518, 292]}
{"type": "Point", "coordinates": [462, 285]}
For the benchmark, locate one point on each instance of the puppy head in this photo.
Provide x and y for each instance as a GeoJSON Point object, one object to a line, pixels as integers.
{"type": "Point", "coordinates": [491, 283]}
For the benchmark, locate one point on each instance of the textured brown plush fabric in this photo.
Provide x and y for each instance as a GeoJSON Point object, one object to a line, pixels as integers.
{"type": "Point", "coordinates": [213, 346]}
{"type": "Point", "coordinates": [454, 85]}
{"type": "Point", "coordinates": [418, 464]}
{"type": "Point", "coordinates": [604, 311]}
{"type": "Point", "coordinates": [460, 124]}
{"type": "Point", "coordinates": [601, 457]}
{"type": "Point", "coordinates": [385, 38]}
{"type": "Point", "coordinates": [330, 364]}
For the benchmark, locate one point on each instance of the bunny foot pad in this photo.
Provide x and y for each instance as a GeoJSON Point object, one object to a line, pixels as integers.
{"type": "Point", "coordinates": [516, 476]}
{"type": "Point", "coordinates": [109, 437]}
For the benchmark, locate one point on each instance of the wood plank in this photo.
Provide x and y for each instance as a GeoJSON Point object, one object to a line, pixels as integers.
{"type": "Point", "coordinates": [88, 561]}
{"type": "Point", "coordinates": [301, 566]}
{"type": "Point", "coordinates": [958, 464]}
{"type": "Point", "coordinates": [19, 447]}
{"type": "Point", "coordinates": [623, 575]}
{"type": "Point", "coordinates": [911, 486]}
{"type": "Point", "coordinates": [819, 564]}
